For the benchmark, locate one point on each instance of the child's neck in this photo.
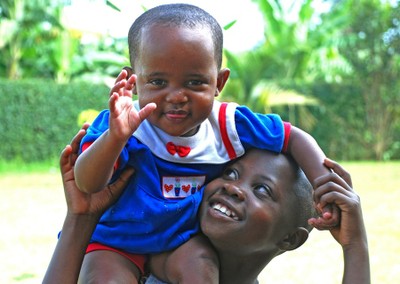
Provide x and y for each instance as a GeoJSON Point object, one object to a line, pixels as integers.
{"type": "Point", "coordinates": [236, 269]}
{"type": "Point", "coordinates": [191, 132]}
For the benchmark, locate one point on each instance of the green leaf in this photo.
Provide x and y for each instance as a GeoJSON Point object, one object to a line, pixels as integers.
{"type": "Point", "coordinates": [229, 25]}
{"type": "Point", "coordinates": [109, 3]}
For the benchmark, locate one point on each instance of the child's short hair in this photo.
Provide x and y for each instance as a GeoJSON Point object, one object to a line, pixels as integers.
{"type": "Point", "coordinates": [184, 15]}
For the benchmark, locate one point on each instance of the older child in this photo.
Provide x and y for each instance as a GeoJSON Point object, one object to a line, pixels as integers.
{"type": "Point", "coordinates": [176, 136]}
{"type": "Point", "coordinates": [270, 199]}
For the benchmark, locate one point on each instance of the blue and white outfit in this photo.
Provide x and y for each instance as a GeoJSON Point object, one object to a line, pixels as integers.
{"type": "Point", "coordinates": [158, 210]}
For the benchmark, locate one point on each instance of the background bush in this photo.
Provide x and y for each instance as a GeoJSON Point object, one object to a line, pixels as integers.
{"type": "Point", "coordinates": [39, 117]}
{"type": "Point", "coordinates": [340, 117]}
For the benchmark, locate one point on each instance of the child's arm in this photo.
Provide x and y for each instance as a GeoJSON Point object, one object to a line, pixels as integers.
{"type": "Point", "coordinates": [95, 165]}
{"type": "Point", "coordinates": [336, 188]}
{"type": "Point", "coordinates": [310, 157]}
{"type": "Point", "coordinates": [193, 262]}
{"type": "Point", "coordinates": [307, 153]}
{"type": "Point", "coordinates": [83, 214]}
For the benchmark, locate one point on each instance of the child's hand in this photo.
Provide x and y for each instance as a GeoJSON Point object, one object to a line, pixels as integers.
{"type": "Point", "coordinates": [336, 189]}
{"type": "Point", "coordinates": [124, 84]}
{"type": "Point", "coordinates": [330, 216]}
{"type": "Point", "coordinates": [124, 119]}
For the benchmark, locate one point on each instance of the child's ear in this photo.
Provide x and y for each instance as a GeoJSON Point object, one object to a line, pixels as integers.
{"type": "Point", "coordinates": [223, 76]}
{"type": "Point", "coordinates": [294, 240]}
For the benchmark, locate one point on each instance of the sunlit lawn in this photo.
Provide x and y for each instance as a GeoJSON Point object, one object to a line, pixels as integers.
{"type": "Point", "coordinates": [32, 209]}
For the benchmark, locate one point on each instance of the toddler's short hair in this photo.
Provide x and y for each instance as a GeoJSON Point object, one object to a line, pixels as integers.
{"type": "Point", "coordinates": [180, 15]}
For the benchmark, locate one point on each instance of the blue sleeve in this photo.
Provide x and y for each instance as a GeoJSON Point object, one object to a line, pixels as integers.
{"type": "Point", "coordinates": [96, 129]}
{"type": "Point", "coordinates": [262, 131]}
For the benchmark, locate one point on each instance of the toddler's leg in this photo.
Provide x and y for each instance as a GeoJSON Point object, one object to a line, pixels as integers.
{"type": "Point", "coordinates": [103, 266]}
{"type": "Point", "coordinates": [194, 262]}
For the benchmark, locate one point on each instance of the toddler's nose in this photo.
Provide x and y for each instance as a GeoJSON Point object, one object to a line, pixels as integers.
{"type": "Point", "coordinates": [177, 96]}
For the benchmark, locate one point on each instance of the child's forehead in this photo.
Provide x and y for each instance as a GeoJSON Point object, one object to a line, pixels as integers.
{"type": "Point", "coordinates": [172, 27]}
{"type": "Point", "coordinates": [264, 163]}
{"type": "Point", "coordinates": [264, 158]}
{"type": "Point", "coordinates": [161, 35]}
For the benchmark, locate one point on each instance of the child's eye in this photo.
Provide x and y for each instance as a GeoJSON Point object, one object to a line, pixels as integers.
{"type": "Point", "coordinates": [158, 82]}
{"type": "Point", "coordinates": [230, 174]}
{"type": "Point", "coordinates": [195, 83]}
{"type": "Point", "coordinates": [263, 190]}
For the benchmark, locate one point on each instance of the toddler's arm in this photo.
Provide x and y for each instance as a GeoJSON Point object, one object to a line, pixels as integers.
{"type": "Point", "coordinates": [310, 157]}
{"type": "Point", "coordinates": [307, 153]}
{"type": "Point", "coordinates": [95, 165]}
{"type": "Point", "coordinates": [336, 188]}
{"type": "Point", "coordinates": [83, 214]}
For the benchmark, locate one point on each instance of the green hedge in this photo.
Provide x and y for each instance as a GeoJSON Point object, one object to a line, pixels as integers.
{"type": "Point", "coordinates": [39, 117]}
{"type": "Point", "coordinates": [340, 115]}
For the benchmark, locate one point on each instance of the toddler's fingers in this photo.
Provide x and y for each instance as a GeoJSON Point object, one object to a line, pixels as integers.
{"type": "Point", "coordinates": [128, 71]}
{"type": "Point", "coordinates": [331, 214]}
{"type": "Point", "coordinates": [122, 75]}
{"type": "Point", "coordinates": [112, 102]}
{"type": "Point", "coordinates": [147, 110]}
{"type": "Point", "coordinates": [320, 224]}
{"type": "Point", "coordinates": [117, 88]}
{"type": "Point", "coordinates": [131, 82]}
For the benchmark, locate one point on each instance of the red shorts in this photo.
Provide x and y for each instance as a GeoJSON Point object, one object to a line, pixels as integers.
{"type": "Point", "coordinates": [138, 259]}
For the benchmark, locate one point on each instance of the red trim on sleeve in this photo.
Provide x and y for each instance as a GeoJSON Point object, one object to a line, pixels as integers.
{"type": "Point", "coordinates": [287, 127]}
{"type": "Point", "coordinates": [224, 133]}
{"type": "Point", "coordinates": [86, 145]}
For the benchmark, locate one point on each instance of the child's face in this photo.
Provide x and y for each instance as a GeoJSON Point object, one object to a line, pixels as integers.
{"type": "Point", "coordinates": [176, 69]}
{"type": "Point", "coordinates": [251, 206]}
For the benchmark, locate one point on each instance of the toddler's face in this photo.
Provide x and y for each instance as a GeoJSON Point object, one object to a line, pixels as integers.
{"type": "Point", "coordinates": [176, 69]}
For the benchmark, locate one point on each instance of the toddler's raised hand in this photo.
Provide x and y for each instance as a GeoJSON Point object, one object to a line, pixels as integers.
{"type": "Point", "coordinates": [124, 118]}
{"type": "Point", "coordinates": [125, 83]}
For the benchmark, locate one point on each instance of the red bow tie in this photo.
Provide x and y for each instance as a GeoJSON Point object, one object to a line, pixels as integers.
{"type": "Point", "coordinates": [182, 151]}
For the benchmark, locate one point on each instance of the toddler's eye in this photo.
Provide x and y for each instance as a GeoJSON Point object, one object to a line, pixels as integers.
{"type": "Point", "coordinates": [195, 83]}
{"type": "Point", "coordinates": [158, 82]}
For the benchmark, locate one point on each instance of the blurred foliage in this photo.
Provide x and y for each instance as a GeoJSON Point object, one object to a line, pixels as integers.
{"type": "Point", "coordinates": [290, 47]}
{"type": "Point", "coordinates": [29, 32]}
{"type": "Point", "coordinates": [35, 44]}
{"type": "Point", "coordinates": [370, 43]}
{"type": "Point", "coordinates": [354, 48]}
{"type": "Point", "coordinates": [37, 122]}
{"type": "Point", "coordinates": [333, 73]}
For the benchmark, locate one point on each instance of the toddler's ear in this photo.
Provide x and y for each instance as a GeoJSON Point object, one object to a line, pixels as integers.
{"type": "Point", "coordinates": [223, 76]}
{"type": "Point", "coordinates": [294, 240]}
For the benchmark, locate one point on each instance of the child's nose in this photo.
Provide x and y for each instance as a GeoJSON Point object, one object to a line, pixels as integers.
{"type": "Point", "coordinates": [177, 96]}
{"type": "Point", "coordinates": [235, 190]}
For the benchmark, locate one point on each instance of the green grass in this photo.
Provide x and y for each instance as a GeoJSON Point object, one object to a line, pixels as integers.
{"type": "Point", "coordinates": [32, 209]}
{"type": "Point", "coordinates": [7, 167]}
